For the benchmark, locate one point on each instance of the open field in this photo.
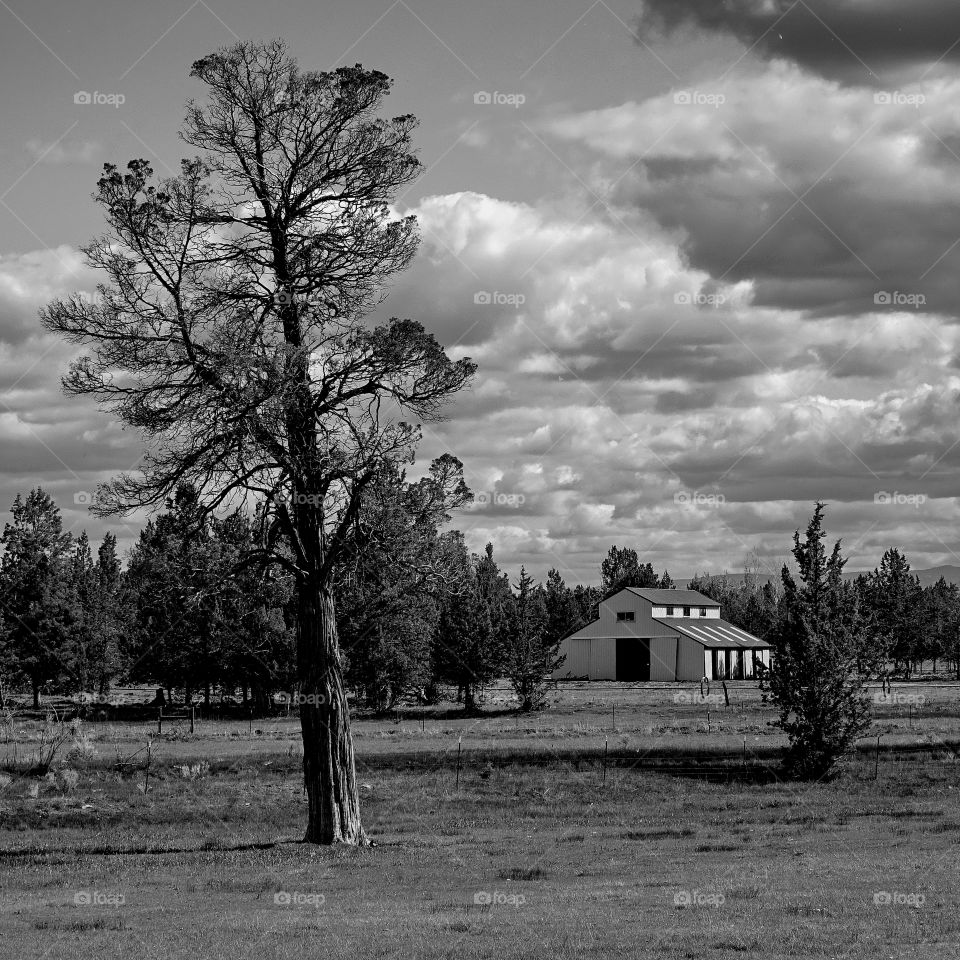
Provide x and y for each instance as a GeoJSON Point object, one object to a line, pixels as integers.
{"type": "Point", "coordinates": [643, 856]}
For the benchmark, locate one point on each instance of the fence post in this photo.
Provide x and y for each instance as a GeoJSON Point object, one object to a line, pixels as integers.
{"type": "Point", "coordinates": [459, 747]}
{"type": "Point", "coordinates": [876, 762]}
{"type": "Point", "coordinates": [193, 711]}
{"type": "Point", "coordinates": [605, 745]}
{"type": "Point", "coordinates": [160, 722]}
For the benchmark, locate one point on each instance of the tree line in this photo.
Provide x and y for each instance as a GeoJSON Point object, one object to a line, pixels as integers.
{"type": "Point", "coordinates": [190, 611]}
{"type": "Point", "coordinates": [416, 612]}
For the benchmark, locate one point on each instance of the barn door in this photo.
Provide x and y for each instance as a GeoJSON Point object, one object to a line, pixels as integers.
{"type": "Point", "coordinates": [633, 659]}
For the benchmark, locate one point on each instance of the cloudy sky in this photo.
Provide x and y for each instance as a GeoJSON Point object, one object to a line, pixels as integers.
{"type": "Point", "coordinates": [706, 254]}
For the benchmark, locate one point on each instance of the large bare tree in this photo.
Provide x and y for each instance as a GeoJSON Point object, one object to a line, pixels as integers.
{"type": "Point", "coordinates": [233, 333]}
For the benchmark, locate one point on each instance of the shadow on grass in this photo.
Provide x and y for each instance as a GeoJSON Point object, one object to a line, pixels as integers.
{"type": "Point", "coordinates": [145, 851]}
{"type": "Point", "coordinates": [415, 714]}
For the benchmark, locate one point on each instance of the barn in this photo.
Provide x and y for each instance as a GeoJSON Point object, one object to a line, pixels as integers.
{"type": "Point", "coordinates": [651, 634]}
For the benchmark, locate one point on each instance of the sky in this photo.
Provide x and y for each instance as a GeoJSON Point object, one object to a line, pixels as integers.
{"type": "Point", "coordinates": [705, 255]}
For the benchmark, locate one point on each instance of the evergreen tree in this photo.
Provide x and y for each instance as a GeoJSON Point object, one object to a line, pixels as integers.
{"type": "Point", "coordinates": [111, 615]}
{"type": "Point", "coordinates": [622, 568]}
{"type": "Point", "coordinates": [34, 583]}
{"type": "Point", "coordinates": [531, 656]}
{"type": "Point", "coordinates": [467, 651]}
{"type": "Point", "coordinates": [813, 677]}
{"type": "Point", "coordinates": [562, 610]}
{"type": "Point", "coordinates": [896, 599]}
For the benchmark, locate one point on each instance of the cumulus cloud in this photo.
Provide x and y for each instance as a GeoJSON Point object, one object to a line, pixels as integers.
{"type": "Point", "coordinates": [824, 197]}
{"type": "Point", "coordinates": [856, 41]}
{"type": "Point", "coordinates": [624, 396]}
{"type": "Point", "coordinates": [65, 445]}
{"type": "Point", "coordinates": [625, 381]}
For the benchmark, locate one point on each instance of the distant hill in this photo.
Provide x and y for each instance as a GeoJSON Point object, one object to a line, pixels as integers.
{"type": "Point", "coordinates": [950, 572]}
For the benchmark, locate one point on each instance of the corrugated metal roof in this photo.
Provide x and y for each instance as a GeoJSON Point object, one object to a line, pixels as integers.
{"type": "Point", "coordinates": [674, 597]}
{"type": "Point", "coordinates": [716, 633]}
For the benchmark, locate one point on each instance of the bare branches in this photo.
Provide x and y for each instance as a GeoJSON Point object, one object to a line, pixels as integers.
{"type": "Point", "coordinates": [230, 330]}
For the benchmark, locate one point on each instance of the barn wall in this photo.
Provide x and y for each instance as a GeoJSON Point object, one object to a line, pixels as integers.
{"type": "Point", "coordinates": [609, 626]}
{"type": "Point", "coordinates": [603, 659]}
{"type": "Point", "coordinates": [577, 664]}
{"type": "Point", "coordinates": [690, 660]}
{"type": "Point", "coordinates": [591, 629]}
{"type": "Point", "coordinates": [663, 658]}
{"type": "Point", "coordinates": [643, 626]}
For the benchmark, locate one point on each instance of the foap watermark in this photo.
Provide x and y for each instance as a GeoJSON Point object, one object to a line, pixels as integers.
{"type": "Point", "coordinates": [311, 499]}
{"type": "Point", "coordinates": [896, 898]}
{"type": "Point", "coordinates": [496, 298]}
{"type": "Point", "coordinates": [698, 898]}
{"type": "Point", "coordinates": [682, 696]}
{"type": "Point", "coordinates": [699, 98]}
{"type": "Point", "coordinates": [303, 699]}
{"type": "Point", "coordinates": [98, 898]}
{"type": "Point", "coordinates": [897, 98]}
{"type": "Point", "coordinates": [895, 298]}
{"type": "Point", "coordinates": [897, 699]}
{"type": "Point", "coordinates": [898, 499]}
{"type": "Point", "coordinates": [293, 898]}
{"type": "Point", "coordinates": [697, 498]}
{"type": "Point", "coordinates": [496, 498]}
{"type": "Point", "coordinates": [83, 498]}
{"type": "Point", "coordinates": [497, 898]}
{"type": "Point", "coordinates": [699, 299]}
{"type": "Point", "coordinates": [98, 99]}
{"type": "Point", "coordinates": [483, 98]}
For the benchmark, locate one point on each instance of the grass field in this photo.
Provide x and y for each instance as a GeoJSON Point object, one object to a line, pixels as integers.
{"type": "Point", "coordinates": [679, 845]}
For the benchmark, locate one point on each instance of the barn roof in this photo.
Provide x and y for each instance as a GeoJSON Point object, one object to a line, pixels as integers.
{"type": "Point", "coordinates": [674, 598]}
{"type": "Point", "coordinates": [715, 634]}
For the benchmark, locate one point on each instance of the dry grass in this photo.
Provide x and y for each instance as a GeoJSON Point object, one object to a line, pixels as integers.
{"type": "Point", "coordinates": [575, 866]}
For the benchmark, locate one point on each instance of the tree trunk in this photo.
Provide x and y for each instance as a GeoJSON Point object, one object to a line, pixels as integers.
{"type": "Point", "coordinates": [328, 764]}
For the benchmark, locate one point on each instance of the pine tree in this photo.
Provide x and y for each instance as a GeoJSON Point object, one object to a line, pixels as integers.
{"type": "Point", "coordinates": [34, 587]}
{"type": "Point", "coordinates": [622, 568]}
{"type": "Point", "coordinates": [531, 657]}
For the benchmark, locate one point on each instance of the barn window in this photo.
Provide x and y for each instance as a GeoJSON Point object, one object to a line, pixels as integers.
{"type": "Point", "coordinates": [627, 615]}
{"type": "Point", "coordinates": [669, 611]}
{"type": "Point", "coordinates": [703, 611]}
{"type": "Point", "coordinates": [686, 611]}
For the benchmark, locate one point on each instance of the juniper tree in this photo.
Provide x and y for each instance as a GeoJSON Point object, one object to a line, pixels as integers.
{"type": "Point", "coordinates": [813, 677]}
{"type": "Point", "coordinates": [233, 334]}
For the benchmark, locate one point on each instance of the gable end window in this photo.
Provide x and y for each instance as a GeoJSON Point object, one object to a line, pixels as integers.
{"type": "Point", "coordinates": [626, 616]}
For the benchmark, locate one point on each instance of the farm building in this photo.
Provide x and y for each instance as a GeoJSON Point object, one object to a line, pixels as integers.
{"type": "Point", "coordinates": [647, 634]}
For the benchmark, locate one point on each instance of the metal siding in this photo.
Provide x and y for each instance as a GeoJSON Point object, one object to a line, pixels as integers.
{"type": "Point", "coordinates": [663, 658]}
{"type": "Point", "coordinates": [590, 629]}
{"type": "Point", "coordinates": [689, 660]}
{"type": "Point", "coordinates": [609, 626]}
{"type": "Point", "coordinates": [603, 659]}
{"type": "Point", "coordinates": [577, 664]}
